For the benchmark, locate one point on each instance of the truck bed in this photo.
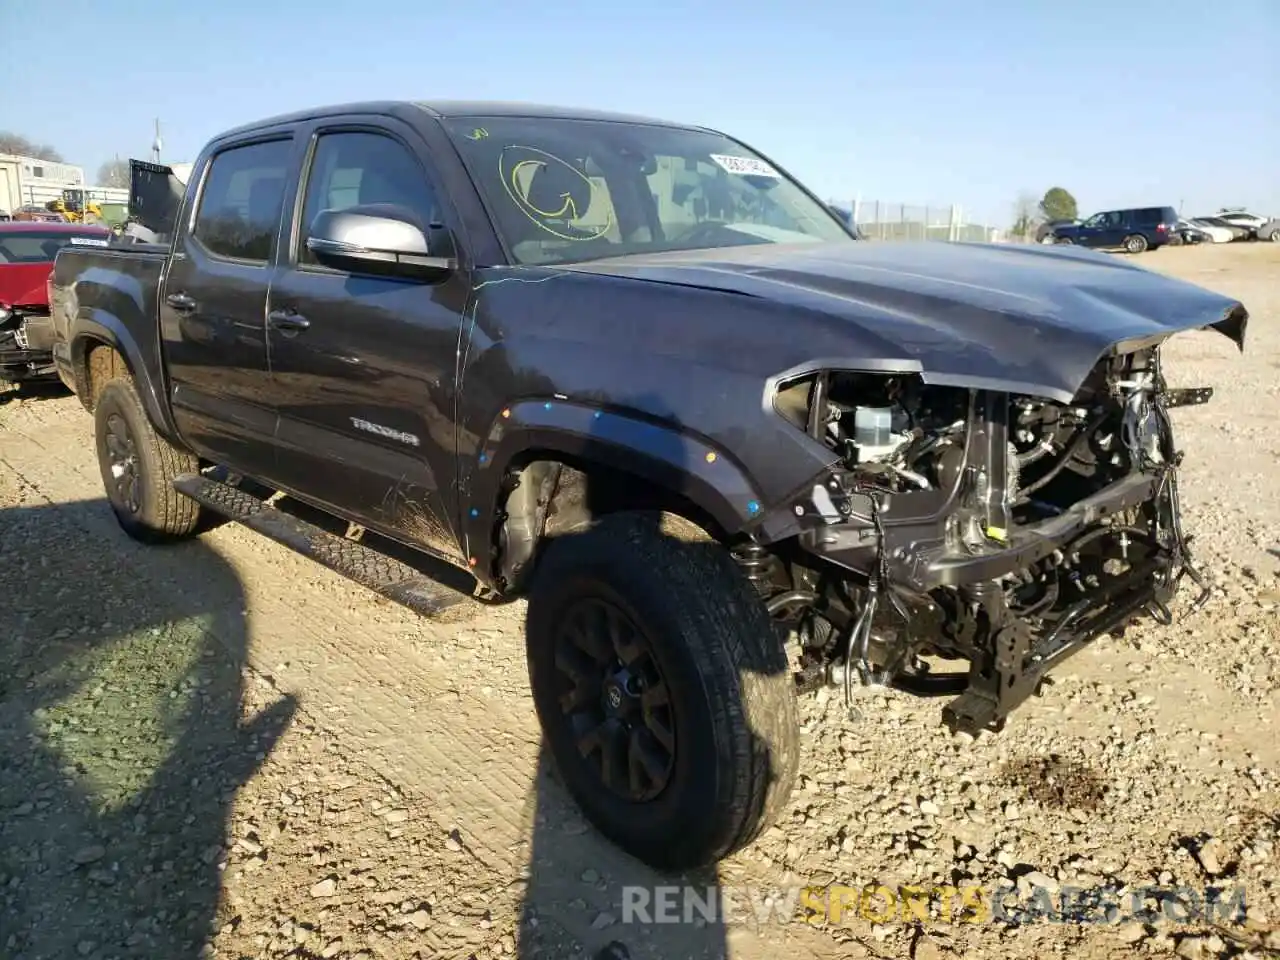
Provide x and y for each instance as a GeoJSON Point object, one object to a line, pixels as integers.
{"type": "Point", "coordinates": [112, 293]}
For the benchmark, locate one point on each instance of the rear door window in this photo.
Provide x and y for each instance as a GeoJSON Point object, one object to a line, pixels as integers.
{"type": "Point", "coordinates": [240, 204]}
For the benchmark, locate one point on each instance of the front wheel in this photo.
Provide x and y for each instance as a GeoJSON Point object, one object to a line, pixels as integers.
{"type": "Point", "coordinates": [663, 689]}
{"type": "Point", "coordinates": [138, 468]}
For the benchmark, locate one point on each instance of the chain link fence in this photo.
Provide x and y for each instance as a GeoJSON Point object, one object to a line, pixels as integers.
{"type": "Point", "coordinates": [882, 220]}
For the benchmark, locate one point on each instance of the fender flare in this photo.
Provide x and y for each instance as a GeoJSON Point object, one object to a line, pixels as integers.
{"type": "Point", "coordinates": [677, 460]}
{"type": "Point", "coordinates": [93, 327]}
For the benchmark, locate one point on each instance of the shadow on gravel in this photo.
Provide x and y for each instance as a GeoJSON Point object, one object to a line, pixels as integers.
{"type": "Point", "coordinates": [122, 743]}
{"type": "Point", "coordinates": [578, 887]}
{"type": "Point", "coordinates": [37, 390]}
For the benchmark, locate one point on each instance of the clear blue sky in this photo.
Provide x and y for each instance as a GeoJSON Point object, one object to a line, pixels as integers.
{"type": "Point", "coordinates": [923, 101]}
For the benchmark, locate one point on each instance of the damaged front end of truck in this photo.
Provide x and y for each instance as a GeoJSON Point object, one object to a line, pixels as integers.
{"type": "Point", "coordinates": [979, 524]}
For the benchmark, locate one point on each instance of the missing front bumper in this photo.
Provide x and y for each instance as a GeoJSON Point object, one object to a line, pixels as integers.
{"type": "Point", "coordinates": [1010, 655]}
{"type": "Point", "coordinates": [929, 569]}
{"type": "Point", "coordinates": [1013, 664]}
{"type": "Point", "coordinates": [922, 563]}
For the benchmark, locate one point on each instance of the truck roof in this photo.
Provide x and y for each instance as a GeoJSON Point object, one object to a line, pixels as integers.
{"type": "Point", "coordinates": [452, 109]}
{"type": "Point", "coordinates": [515, 108]}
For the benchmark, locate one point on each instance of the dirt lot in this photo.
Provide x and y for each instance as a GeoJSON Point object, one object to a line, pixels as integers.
{"type": "Point", "coordinates": [221, 749]}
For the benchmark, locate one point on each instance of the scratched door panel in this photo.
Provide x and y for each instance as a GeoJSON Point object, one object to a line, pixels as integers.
{"type": "Point", "coordinates": [366, 403]}
{"type": "Point", "coordinates": [364, 383]}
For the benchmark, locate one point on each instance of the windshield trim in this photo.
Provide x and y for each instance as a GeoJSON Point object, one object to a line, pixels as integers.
{"type": "Point", "coordinates": [450, 124]}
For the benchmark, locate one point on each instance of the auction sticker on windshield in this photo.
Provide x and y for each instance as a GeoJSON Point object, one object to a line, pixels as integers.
{"type": "Point", "coordinates": [744, 166]}
{"type": "Point", "coordinates": [89, 242]}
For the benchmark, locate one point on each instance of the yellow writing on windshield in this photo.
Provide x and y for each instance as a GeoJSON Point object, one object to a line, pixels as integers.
{"type": "Point", "coordinates": [555, 212]}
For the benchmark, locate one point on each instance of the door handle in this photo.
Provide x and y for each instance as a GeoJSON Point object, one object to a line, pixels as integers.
{"type": "Point", "coordinates": [288, 322]}
{"type": "Point", "coordinates": [181, 302]}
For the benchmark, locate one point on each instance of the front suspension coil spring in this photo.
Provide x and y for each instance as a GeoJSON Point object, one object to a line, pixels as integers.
{"type": "Point", "coordinates": [756, 564]}
{"type": "Point", "coordinates": [982, 591]}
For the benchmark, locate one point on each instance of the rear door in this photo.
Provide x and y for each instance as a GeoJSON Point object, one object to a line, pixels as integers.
{"type": "Point", "coordinates": [1143, 221]}
{"type": "Point", "coordinates": [363, 366]}
{"type": "Point", "coordinates": [213, 304]}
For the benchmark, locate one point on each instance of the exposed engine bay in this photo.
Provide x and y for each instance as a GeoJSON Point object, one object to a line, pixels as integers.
{"type": "Point", "coordinates": [974, 525]}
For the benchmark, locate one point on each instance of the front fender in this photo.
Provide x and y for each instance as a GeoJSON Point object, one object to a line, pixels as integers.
{"type": "Point", "coordinates": [677, 460]}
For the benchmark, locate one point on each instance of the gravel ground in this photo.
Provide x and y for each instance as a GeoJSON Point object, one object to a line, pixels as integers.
{"type": "Point", "coordinates": [221, 749]}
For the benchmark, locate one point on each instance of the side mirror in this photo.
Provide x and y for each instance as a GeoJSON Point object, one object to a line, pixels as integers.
{"type": "Point", "coordinates": [379, 238]}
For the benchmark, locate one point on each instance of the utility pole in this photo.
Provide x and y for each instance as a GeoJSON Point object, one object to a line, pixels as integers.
{"type": "Point", "coordinates": [157, 144]}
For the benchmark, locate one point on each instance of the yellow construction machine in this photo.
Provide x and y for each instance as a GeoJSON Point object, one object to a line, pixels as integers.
{"type": "Point", "coordinates": [76, 207]}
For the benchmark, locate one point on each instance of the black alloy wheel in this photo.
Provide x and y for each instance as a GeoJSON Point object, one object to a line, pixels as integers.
{"type": "Point", "coordinates": [662, 686]}
{"type": "Point", "coordinates": [138, 468]}
{"type": "Point", "coordinates": [615, 699]}
{"type": "Point", "coordinates": [122, 454]}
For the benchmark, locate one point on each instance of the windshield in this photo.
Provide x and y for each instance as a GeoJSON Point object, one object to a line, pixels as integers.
{"type": "Point", "coordinates": [562, 191]}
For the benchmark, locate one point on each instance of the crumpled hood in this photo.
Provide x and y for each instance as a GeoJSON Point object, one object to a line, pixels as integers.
{"type": "Point", "coordinates": [1023, 318]}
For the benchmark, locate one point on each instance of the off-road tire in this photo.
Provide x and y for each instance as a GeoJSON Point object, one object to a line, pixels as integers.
{"type": "Point", "coordinates": [1136, 243]}
{"type": "Point", "coordinates": [731, 690]}
{"type": "Point", "coordinates": [162, 512]}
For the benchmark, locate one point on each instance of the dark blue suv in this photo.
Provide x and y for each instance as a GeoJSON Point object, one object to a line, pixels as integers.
{"type": "Point", "coordinates": [1135, 229]}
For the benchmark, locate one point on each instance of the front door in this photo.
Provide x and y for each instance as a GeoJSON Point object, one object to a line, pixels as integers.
{"type": "Point", "coordinates": [1103, 230]}
{"type": "Point", "coordinates": [213, 308]}
{"type": "Point", "coordinates": [363, 366]}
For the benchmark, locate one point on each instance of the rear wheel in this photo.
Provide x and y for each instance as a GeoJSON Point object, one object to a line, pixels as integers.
{"type": "Point", "coordinates": [1135, 243]}
{"type": "Point", "coordinates": [138, 468]}
{"type": "Point", "coordinates": [663, 689]}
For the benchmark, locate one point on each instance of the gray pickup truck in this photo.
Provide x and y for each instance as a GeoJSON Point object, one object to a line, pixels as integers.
{"type": "Point", "coordinates": [636, 373]}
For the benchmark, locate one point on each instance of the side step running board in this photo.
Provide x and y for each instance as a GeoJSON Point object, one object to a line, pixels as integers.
{"type": "Point", "coordinates": [382, 574]}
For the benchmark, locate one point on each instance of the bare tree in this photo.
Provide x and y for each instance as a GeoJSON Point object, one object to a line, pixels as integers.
{"type": "Point", "coordinates": [17, 144]}
{"type": "Point", "coordinates": [114, 173]}
{"type": "Point", "coordinates": [1025, 217]}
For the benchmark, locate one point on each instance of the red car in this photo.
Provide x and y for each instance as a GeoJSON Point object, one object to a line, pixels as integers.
{"type": "Point", "coordinates": [27, 250]}
{"type": "Point", "coordinates": [34, 213]}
